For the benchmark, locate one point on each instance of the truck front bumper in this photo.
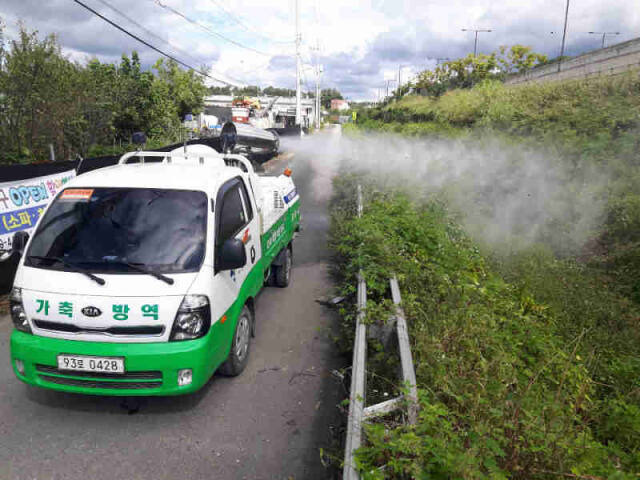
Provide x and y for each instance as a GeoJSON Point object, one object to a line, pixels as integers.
{"type": "Point", "coordinates": [150, 368]}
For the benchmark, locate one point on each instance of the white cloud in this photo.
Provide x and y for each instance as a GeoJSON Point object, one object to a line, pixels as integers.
{"type": "Point", "coordinates": [362, 42]}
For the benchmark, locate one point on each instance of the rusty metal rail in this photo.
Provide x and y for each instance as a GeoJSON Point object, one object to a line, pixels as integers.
{"type": "Point", "coordinates": [358, 413]}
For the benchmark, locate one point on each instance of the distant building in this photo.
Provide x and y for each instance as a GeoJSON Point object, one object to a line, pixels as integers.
{"type": "Point", "coordinates": [341, 105]}
{"type": "Point", "coordinates": [281, 110]}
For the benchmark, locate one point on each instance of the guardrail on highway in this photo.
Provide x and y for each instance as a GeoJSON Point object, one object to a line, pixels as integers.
{"type": "Point", "coordinates": [358, 413]}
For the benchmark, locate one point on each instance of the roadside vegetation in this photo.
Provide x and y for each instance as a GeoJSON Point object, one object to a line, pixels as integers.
{"type": "Point", "coordinates": [510, 387]}
{"type": "Point", "coordinates": [87, 109]}
{"type": "Point", "coordinates": [470, 70]}
{"type": "Point", "coordinates": [528, 359]}
{"type": "Point", "coordinates": [583, 125]}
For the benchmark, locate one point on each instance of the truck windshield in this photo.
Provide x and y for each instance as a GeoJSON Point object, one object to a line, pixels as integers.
{"type": "Point", "coordinates": [103, 229]}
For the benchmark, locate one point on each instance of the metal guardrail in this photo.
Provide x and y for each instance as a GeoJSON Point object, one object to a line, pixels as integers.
{"type": "Point", "coordinates": [408, 370]}
{"type": "Point", "coordinates": [358, 413]}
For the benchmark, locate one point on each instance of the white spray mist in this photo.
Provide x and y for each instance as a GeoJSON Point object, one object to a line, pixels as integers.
{"type": "Point", "coordinates": [506, 194]}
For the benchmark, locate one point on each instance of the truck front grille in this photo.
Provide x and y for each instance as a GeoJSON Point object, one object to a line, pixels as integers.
{"type": "Point", "coordinates": [74, 382]}
{"type": "Point", "coordinates": [141, 375]}
{"type": "Point", "coordinates": [144, 330]}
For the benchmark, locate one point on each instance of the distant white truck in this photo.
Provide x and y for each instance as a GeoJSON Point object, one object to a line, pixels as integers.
{"type": "Point", "coordinates": [141, 279]}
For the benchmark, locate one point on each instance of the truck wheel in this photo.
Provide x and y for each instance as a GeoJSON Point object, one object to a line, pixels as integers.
{"type": "Point", "coordinates": [239, 354]}
{"type": "Point", "coordinates": [282, 275]}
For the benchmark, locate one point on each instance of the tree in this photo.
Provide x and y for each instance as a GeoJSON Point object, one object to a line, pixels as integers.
{"type": "Point", "coordinates": [279, 92]}
{"type": "Point", "coordinates": [186, 87]}
{"type": "Point", "coordinates": [467, 71]}
{"type": "Point", "coordinates": [326, 95]}
{"type": "Point", "coordinates": [226, 90]}
{"type": "Point", "coordinates": [47, 99]}
{"type": "Point", "coordinates": [519, 58]}
{"type": "Point", "coordinates": [248, 91]}
{"type": "Point", "coordinates": [34, 86]}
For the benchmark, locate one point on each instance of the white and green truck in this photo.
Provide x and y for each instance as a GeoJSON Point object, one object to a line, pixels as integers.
{"type": "Point", "coordinates": [141, 278]}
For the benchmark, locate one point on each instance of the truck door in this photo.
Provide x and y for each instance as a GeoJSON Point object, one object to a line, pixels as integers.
{"type": "Point", "coordinates": [236, 217]}
{"type": "Point", "coordinates": [251, 233]}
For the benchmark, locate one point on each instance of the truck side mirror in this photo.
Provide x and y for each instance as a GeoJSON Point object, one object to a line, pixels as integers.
{"type": "Point", "coordinates": [19, 242]}
{"type": "Point", "coordinates": [232, 255]}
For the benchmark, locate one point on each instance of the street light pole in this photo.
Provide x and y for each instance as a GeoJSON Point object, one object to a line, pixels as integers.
{"type": "Point", "coordinates": [388, 82]}
{"type": "Point", "coordinates": [604, 35]}
{"type": "Point", "coordinates": [318, 71]}
{"type": "Point", "coordinates": [475, 43]}
{"type": "Point", "coordinates": [400, 68]}
{"type": "Point", "coordinates": [298, 71]}
{"type": "Point", "coordinates": [564, 34]}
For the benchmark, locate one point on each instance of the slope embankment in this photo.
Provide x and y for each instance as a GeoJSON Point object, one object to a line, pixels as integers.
{"type": "Point", "coordinates": [526, 341]}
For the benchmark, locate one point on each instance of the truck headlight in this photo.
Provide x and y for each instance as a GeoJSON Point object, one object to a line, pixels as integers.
{"type": "Point", "coordinates": [193, 318]}
{"type": "Point", "coordinates": [18, 314]}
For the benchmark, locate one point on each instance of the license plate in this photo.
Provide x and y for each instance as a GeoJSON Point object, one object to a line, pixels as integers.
{"type": "Point", "coordinates": [91, 364]}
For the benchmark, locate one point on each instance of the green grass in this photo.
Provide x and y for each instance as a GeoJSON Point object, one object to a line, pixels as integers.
{"type": "Point", "coordinates": [570, 112]}
{"type": "Point", "coordinates": [585, 125]}
{"type": "Point", "coordinates": [528, 360]}
{"type": "Point", "coordinates": [510, 387]}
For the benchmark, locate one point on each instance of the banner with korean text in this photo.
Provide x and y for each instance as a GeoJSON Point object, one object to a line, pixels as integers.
{"type": "Point", "coordinates": [23, 201]}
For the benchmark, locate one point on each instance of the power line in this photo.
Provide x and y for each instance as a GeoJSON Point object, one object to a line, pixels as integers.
{"type": "Point", "coordinates": [238, 21]}
{"type": "Point", "coordinates": [230, 15]}
{"type": "Point", "coordinates": [135, 37]}
{"type": "Point", "coordinates": [207, 29]}
{"type": "Point", "coordinates": [148, 32]}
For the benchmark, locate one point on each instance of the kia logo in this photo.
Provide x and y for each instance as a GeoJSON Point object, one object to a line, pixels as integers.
{"type": "Point", "coordinates": [91, 311]}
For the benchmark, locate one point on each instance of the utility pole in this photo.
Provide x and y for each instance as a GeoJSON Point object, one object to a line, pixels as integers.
{"type": "Point", "coordinates": [318, 71]}
{"type": "Point", "coordinates": [564, 34]}
{"type": "Point", "coordinates": [388, 82]}
{"type": "Point", "coordinates": [475, 44]}
{"type": "Point", "coordinates": [298, 70]}
{"type": "Point", "coordinates": [604, 35]}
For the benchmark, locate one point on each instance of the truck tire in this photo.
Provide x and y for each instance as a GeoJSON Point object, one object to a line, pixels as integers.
{"type": "Point", "coordinates": [282, 273]}
{"type": "Point", "coordinates": [240, 346]}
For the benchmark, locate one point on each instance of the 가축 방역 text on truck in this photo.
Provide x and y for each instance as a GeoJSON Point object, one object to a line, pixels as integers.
{"type": "Point", "coordinates": [141, 279]}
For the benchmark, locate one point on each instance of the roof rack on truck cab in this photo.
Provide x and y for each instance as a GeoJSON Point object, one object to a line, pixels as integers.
{"type": "Point", "coordinates": [197, 155]}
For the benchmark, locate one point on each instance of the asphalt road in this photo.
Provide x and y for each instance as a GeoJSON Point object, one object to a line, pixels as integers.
{"type": "Point", "coordinates": [269, 423]}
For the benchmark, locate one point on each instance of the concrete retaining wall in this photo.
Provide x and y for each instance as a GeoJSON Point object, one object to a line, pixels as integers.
{"type": "Point", "coordinates": [612, 60]}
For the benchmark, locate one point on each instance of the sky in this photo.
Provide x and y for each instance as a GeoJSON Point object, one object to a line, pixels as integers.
{"type": "Point", "coordinates": [361, 44]}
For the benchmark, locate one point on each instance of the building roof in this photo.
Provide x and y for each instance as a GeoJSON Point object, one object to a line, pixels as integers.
{"type": "Point", "coordinates": [264, 100]}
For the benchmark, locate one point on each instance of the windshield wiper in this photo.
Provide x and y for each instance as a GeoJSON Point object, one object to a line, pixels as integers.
{"type": "Point", "coordinates": [71, 266]}
{"type": "Point", "coordinates": [141, 268]}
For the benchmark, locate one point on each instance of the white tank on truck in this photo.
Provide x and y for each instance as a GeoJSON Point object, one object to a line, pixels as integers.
{"type": "Point", "coordinates": [141, 279]}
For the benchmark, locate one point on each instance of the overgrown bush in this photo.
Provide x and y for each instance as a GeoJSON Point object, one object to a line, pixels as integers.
{"type": "Point", "coordinates": [585, 125]}
{"type": "Point", "coordinates": [509, 387]}
{"type": "Point", "coordinates": [86, 109]}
